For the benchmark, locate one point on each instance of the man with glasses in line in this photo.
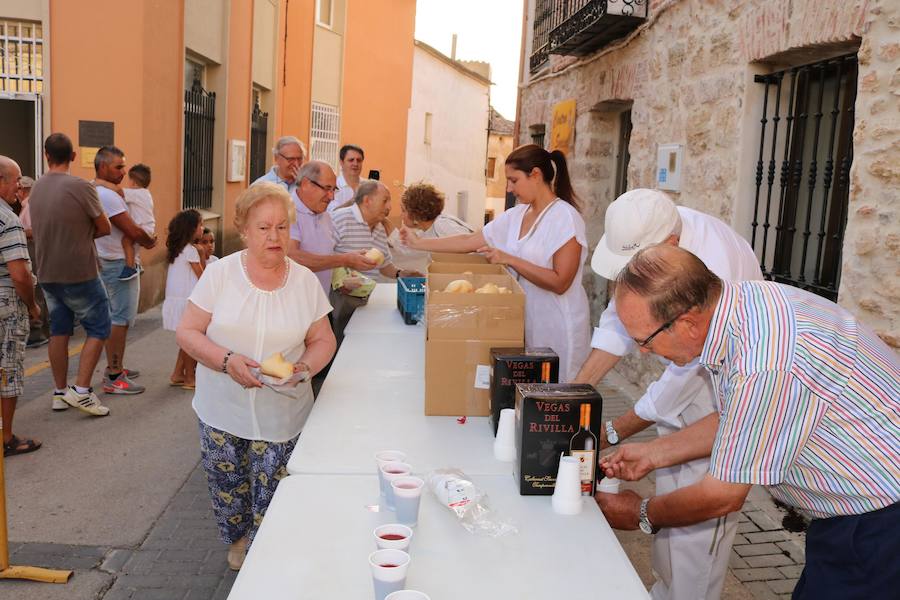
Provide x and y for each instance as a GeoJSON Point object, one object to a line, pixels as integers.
{"type": "Point", "coordinates": [313, 237]}
{"type": "Point", "coordinates": [289, 154]}
{"type": "Point", "coordinates": [689, 562]}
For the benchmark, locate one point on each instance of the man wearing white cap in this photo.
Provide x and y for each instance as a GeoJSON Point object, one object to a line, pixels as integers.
{"type": "Point", "coordinates": [689, 562]}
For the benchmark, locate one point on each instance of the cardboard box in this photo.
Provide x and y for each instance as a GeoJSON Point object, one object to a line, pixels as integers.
{"type": "Point", "coordinates": [510, 366]}
{"type": "Point", "coordinates": [475, 316]}
{"type": "Point", "coordinates": [457, 376]}
{"type": "Point", "coordinates": [547, 417]}
{"type": "Point", "coordinates": [461, 268]}
{"type": "Point", "coordinates": [452, 257]}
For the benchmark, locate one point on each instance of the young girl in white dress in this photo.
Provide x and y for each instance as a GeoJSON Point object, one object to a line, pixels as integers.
{"type": "Point", "coordinates": [185, 268]}
{"type": "Point", "coordinates": [543, 241]}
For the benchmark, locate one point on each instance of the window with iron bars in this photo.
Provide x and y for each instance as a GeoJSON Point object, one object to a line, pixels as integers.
{"type": "Point", "coordinates": [537, 133]}
{"type": "Point", "coordinates": [324, 134]}
{"type": "Point", "coordinates": [259, 129]}
{"type": "Point", "coordinates": [21, 57]}
{"type": "Point", "coordinates": [803, 173]}
{"type": "Point", "coordinates": [540, 38]}
{"type": "Point", "coordinates": [199, 127]}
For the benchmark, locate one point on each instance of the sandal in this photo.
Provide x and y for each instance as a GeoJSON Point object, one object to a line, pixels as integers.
{"type": "Point", "coordinates": [16, 445]}
{"type": "Point", "coordinates": [176, 383]}
{"type": "Point", "coordinates": [188, 386]}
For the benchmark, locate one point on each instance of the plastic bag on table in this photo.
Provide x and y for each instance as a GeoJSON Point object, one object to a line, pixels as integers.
{"type": "Point", "coordinates": [352, 283]}
{"type": "Point", "coordinates": [469, 503]}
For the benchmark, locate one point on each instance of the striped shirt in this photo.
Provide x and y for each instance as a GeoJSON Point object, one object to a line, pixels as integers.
{"type": "Point", "coordinates": [354, 234]}
{"type": "Point", "coordinates": [13, 244]}
{"type": "Point", "coordinates": [809, 400]}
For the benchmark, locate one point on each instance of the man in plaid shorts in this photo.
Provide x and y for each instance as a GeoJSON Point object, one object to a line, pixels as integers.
{"type": "Point", "coordinates": [17, 305]}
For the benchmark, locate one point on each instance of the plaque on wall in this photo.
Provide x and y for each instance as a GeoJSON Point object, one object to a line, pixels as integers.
{"type": "Point", "coordinates": [94, 134]}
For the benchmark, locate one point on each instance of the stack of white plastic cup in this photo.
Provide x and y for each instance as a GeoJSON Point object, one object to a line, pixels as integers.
{"type": "Point", "coordinates": [567, 499]}
{"type": "Point", "coordinates": [505, 442]}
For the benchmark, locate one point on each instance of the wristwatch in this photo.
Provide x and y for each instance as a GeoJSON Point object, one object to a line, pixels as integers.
{"type": "Point", "coordinates": [611, 435]}
{"type": "Point", "coordinates": [646, 526]}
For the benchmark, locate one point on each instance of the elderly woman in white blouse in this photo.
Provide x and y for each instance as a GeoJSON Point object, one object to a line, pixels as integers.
{"type": "Point", "coordinates": [246, 307]}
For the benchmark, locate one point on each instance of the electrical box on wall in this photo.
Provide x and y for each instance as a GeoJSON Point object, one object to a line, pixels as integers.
{"type": "Point", "coordinates": [668, 167]}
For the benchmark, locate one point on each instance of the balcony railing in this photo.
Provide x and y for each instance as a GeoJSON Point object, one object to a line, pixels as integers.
{"type": "Point", "coordinates": [579, 27]}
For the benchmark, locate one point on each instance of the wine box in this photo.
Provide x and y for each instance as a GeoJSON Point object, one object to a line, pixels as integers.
{"type": "Point", "coordinates": [510, 366]}
{"type": "Point", "coordinates": [547, 416]}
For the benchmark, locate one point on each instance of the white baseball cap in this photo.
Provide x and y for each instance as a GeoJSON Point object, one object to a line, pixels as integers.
{"type": "Point", "coordinates": [636, 219]}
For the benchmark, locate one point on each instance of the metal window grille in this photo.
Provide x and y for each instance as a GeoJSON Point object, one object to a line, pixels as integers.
{"type": "Point", "coordinates": [199, 123]}
{"type": "Point", "coordinates": [540, 40]}
{"type": "Point", "coordinates": [811, 153]}
{"type": "Point", "coordinates": [21, 57]}
{"type": "Point", "coordinates": [624, 157]}
{"type": "Point", "coordinates": [324, 134]}
{"type": "Point", "coordinates": [259, 129]}
{"type": "Point", "coordinates": [578, 27]}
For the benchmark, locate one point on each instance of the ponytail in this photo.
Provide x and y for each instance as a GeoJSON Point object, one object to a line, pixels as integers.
{"type": "Point", "coordinates": [562, 185]}
{"type": "Point", "coordinates": [552, 165]}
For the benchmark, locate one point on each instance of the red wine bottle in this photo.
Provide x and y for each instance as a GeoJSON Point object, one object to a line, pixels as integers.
{"type": "Point", "coordinates": [583, 446]}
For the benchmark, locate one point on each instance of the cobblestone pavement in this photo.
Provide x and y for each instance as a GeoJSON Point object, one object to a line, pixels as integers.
{"type": "Point", "coordinates": [180, 559]}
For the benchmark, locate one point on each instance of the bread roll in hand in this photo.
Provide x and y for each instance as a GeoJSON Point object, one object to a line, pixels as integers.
{"type": "Point", "coordinates": [276, 366]}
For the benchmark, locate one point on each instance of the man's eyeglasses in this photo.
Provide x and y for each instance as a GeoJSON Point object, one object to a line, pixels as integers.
{"type": "Point", "coordinates": [291, 159]}
{"type": "Point", "coordinates": [328, 189]}
{"type": "Point", "coordinates": [663, 327]}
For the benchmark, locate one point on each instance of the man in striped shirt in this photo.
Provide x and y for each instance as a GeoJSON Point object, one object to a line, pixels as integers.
{"type": "Point", "coordinates": [17, 306]}
{"type": "Point", "coordinates": [809, 406]}
{"type": "Point", "coordinates": [359, 227]}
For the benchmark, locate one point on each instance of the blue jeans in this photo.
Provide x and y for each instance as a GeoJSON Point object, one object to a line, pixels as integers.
{"type": "Point", "coordinates": [86, 301]}
{"type": "Point", "coordinates": [123, 295]}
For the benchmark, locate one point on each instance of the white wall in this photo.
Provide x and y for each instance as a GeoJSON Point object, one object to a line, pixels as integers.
{"type": "Point", "coordinates": [455, 159]}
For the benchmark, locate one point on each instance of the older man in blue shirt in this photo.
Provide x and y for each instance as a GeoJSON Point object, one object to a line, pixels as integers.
{"type": "Point", "coordinates": [289, 155]}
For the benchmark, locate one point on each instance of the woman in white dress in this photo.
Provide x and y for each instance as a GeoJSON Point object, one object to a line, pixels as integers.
{"type": "Point", "coordinates": [421, 209]}
{"type": "Point", "coordinates": [246, 307]}
{"type": "Point", "coordinates": [185, 268]}
{"type": "Point", "coordinates": [543, 241]}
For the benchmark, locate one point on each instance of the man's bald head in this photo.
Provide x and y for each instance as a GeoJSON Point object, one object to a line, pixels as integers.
{"type": "Point", "coordinates": [670, 279]}
{"type": "Point", "coordinates": [316, 170]}
{"type": "Point", "coordinates": [9, 178]}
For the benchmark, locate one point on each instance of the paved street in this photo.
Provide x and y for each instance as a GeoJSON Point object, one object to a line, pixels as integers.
{"type": "Point", "coordinates": [121, 501]}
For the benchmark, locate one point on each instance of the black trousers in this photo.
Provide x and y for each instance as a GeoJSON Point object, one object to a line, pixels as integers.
{"type": "Point", "coordinates": [852, 557]}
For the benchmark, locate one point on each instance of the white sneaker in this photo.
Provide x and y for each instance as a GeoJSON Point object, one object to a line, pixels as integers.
{"type": "Point", "coordinates": [88, 403]}
{"type": "Point", "coordinates": [58, 402]}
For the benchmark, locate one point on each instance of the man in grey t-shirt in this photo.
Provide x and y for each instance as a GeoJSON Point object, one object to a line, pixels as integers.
{"type": "Point", "coordinates": [66, 216]}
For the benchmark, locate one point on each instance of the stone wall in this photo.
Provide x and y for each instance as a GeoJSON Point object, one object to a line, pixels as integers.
{"type": "Point", "coordinates": [687, 75]}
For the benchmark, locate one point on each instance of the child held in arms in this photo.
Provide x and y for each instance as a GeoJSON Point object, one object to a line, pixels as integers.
{"type": "Point", "coordinates": [140, 208]}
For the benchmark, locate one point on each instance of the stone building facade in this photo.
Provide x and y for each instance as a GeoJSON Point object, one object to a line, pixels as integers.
{"type": "Point", "coordinates": [692, 73]}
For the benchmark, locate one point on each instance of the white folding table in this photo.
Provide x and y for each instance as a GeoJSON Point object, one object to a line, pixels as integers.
{"type": "Point", "coordinates": [317, 535]}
